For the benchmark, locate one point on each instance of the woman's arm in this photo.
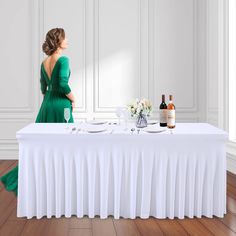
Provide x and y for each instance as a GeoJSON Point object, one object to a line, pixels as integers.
{"type": "Point", "coordinates": [72, 98]}
{"type": "Point", "coordinates": [63, 83]}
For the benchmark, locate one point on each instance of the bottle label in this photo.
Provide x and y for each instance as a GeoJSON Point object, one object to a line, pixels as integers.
{"type": "Point", "coordinates": [171, 117]}
{"type": "Point", "coordinates": [163, 116]}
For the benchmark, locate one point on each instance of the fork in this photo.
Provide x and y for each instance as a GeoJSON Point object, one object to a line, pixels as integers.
{"type": "Point", "coordinates": [78, 130]}
{"type": "Point", "coordinates": [73, 129]}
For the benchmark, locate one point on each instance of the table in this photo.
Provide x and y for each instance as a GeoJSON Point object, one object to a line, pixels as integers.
{"type": "Point", "coordinates": [164, 175]}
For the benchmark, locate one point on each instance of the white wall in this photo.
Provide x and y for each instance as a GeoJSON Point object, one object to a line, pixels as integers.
{"type": "Point", "coordinates": [119, 50]}
{"type": "Point", "coordinates": [212, 64]}
{"type": "Point", "coordinates": [19, 75]}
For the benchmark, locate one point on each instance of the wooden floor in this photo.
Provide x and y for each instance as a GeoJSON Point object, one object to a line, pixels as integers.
{"type": "Point", "coordinates": [11, 225]}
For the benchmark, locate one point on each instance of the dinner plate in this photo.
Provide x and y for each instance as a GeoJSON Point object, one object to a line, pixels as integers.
{"type": "Point", "coordinates": [96, 130]}
{"type": "Point", "coordinates": [154, 130]}
{"type": "Point", "coordinates": [97, 122]}
{"type": "Point", "coordinates": [152, 122]}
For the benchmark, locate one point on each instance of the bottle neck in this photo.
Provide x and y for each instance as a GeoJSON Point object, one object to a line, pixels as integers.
{"type": "Point", "coordinates": [163, 99]}
{"type": "Point", "coordinates": [171, 101]}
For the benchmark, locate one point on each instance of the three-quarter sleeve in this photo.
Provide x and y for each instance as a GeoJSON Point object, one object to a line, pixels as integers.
{"type": "Point", "coordinates": [64, 74]}
{"type": "Point", "coordinates": [43, 84]}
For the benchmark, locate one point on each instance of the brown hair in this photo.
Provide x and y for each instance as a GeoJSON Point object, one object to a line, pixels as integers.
{"type": "Point", "coordinates": [54, 38]}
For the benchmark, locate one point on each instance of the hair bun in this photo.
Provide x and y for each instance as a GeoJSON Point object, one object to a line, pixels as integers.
{"type": "Point", "coordinates": [53, 40]}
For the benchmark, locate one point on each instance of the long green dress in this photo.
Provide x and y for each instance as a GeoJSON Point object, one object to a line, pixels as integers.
{"type": "Point", "coordinates": [52, 108]}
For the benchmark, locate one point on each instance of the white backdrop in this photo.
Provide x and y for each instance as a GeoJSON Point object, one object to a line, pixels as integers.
{"type": "Point", "coordinates": [119, 50]}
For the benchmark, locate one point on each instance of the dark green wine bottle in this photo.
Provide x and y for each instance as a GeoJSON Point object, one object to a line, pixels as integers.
{"type": "Point", "coordinates": [163, 112]}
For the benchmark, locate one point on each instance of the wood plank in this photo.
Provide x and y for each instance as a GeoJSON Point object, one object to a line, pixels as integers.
{"type": "Point", "coordinates": [35, 227]}
{"type": "Point", "coordinates": [171, 227]}
{"type": "Point", "coordinates": [80, 223]}
{"type": "Point", "coordinates": [231, 191]}
{"type": "Point", "coordinates": [231, 204]}
{"type": "Point", "coordinates": [216, 226]}
{"type": "Point", "coordinates": [12, 228]}
{"type": "Point", "coordinates": [103, 227]}
{"type": "Point", "coordinates": [80, 232]}
{"type": "Point", "coordinates": [13, 216]}
{"type": "Point", "coordinates": [230, 221]}
{"type": "Point", "coordinates": [14, 164]}
{"type": "Point", "coordinates": [57, 226]}
{"type": "Point", "coordinates": [194, 227]}
{"type": "Point", "coordinates": [5, 165]}
{"type": "Point", "coordinates": [6, 205]}
{"type": "Point", "coordinates": [126, 227]}
{"type": "Point", "coordinates": [6, 198]}
{"type": "Point", "coordinates": [148, 227]}
{"type": "Point", "coordinates": [231, 179]}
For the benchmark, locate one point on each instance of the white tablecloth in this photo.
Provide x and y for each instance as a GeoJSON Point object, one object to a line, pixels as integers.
{"type": "Point", "coordinates": [121, 174]}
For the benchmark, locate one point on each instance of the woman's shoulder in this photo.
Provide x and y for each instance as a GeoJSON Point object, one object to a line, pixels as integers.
{"type": "Point", "coordinates": [63, 59]}
{"type": "Point", "coordinates": [63, 63]}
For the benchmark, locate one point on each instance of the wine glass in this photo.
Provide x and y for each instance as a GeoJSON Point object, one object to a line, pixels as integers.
{"type": "Point", "coordinates": [119, 113]}
{"type": "Point", "coordinates": [126, 116]}
{"type": "Point", "coordinates": [67, 116]}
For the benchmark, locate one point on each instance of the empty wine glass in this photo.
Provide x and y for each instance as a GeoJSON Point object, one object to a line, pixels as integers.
{"type": "Point", "coordinates": [126, 116]}
{"type": "Point", "coordinates": [119, 113]}
{"type": "Point", "coordinates": [67, 116]}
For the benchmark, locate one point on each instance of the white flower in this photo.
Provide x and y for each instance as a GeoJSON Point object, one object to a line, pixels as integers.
{"type": "Point", "coordinates": [139, 106]}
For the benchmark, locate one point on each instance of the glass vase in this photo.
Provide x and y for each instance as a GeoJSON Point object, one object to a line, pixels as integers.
{"type": "Point", "coordinates": [141, 121]}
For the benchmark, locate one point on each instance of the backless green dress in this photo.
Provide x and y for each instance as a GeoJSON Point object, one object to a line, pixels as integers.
{"type": "Point", "coordinates": [52, 108]}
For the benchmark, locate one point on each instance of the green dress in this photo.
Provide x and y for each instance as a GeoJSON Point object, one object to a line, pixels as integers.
{"type": "Point", "coordinates": [52, 108]}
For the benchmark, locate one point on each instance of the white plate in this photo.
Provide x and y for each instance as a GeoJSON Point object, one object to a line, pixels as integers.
{"type": "Point", "coordinates": [97, 122]}
{"type": "Point", "coordinates": [152, 122]}
{"type": "Point", "coordinates": [154, 130]}
{"type": "Point", "coordinates": [96, 130]}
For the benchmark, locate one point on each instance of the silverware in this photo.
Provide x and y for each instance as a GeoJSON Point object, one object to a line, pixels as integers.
{"type": "Point", "coordinates": [112, 123]}
{"type": "Point", "coordinates": [77, 130]}
{"type": "Point", "coordinates": [73, 129]}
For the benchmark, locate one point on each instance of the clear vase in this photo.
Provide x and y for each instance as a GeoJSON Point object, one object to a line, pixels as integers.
{"type": "Point", "coordinates": [141, 121]}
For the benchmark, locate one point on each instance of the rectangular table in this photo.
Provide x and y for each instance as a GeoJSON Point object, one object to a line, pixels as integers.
{"type": "Point", "coordinates": [121, 174]}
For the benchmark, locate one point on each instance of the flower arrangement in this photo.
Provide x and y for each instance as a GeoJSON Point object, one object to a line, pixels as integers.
{"type": "Point", "coordinates": [140, 107]}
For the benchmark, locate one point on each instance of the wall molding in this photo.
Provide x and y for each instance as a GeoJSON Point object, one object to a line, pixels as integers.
{"type": "Point", "coordinates": [231, 163]}
{"type": "Point", "coordinates": [30, 107]}
{"type": "Point", "coordinates": [211, 112]}
{"type": "Point", "coordinates": [194, 107]}
{"type": "Point", "coordinates": [96, 102]}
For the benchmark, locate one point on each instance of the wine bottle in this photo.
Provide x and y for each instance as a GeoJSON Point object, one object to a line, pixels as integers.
{"type": "Point", "coordinates": [171, 114]}
{"type": "Point", "coordinates": [163, 112]}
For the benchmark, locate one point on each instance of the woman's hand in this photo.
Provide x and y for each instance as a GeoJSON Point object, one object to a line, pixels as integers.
{"type": "Point", "coordinates": [71, 97]}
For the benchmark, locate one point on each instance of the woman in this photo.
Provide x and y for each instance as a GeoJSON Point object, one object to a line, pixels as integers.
{"type": "Point", "coordinates": [55, 73]}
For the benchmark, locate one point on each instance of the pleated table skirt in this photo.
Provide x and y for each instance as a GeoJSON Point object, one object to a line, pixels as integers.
{"type": "Point", "coordinates": [132, 176]}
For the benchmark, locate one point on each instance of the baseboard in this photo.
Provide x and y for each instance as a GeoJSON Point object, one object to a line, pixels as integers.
{"type": "Point", "coordinates": [231, 163]}
{"type": "Point", "coordinates": [9, 154]}
{"type": "Point", "coordinates": [231, 157]}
